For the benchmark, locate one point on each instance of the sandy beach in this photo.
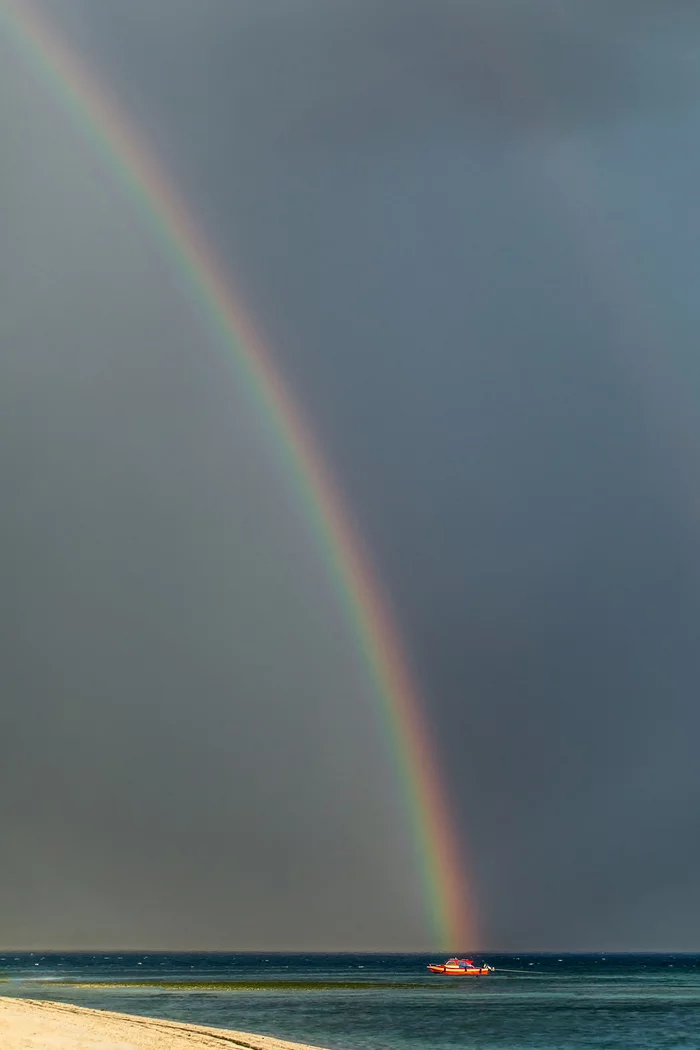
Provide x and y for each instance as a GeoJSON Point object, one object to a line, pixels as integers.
{"type": "Point", "coordinates": [30, 1024]}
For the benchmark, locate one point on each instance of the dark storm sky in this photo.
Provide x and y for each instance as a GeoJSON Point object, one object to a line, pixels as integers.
{"type": "Point", "coordinates": [470, 232]}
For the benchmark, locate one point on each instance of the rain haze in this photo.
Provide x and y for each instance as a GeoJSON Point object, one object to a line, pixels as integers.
{"type": "Point", "coordinates": [468, 233]}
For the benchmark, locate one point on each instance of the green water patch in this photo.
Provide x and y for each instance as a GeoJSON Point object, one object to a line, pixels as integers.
{"type": "Point", "coordinates": [239, 986]}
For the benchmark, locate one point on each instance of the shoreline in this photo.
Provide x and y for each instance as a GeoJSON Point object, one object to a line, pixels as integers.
{"type": "Point", "coordinates": [36, 1024]}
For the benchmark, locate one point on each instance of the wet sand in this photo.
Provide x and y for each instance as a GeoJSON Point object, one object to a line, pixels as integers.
{"type": "Point", "coordinates": [30, 1024]}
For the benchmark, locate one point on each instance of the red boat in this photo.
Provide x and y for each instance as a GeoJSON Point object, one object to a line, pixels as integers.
{"type": "Point", "coordinates": [460, 968]}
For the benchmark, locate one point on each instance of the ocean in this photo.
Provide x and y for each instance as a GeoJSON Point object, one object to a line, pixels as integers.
{"type": "Point", "coordinates": [388, 1002]}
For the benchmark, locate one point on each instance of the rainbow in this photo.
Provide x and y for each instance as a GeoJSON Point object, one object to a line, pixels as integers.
{"type": "Point", "coordinates": [128, 161]}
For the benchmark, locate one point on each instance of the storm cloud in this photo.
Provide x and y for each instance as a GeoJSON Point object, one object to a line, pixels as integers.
{"type": "Point", "coordinates": [468, 232]}
{"type": "Point", "coordinates": [314, 73]}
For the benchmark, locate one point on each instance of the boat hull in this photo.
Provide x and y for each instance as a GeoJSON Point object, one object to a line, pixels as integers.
{"type": "Point", "coordinates": [459, 971]}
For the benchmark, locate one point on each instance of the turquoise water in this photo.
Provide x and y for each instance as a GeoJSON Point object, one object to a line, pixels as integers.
{"type": "Point", "coordinates": [556, 1003]}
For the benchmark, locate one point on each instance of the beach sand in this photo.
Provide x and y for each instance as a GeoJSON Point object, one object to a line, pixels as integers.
{"type": "Point", "coordinates": [30, 1024]}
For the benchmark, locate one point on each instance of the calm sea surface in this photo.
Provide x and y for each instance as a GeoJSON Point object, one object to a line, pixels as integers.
{"type": "Point", "coordinates": [558, 1002]}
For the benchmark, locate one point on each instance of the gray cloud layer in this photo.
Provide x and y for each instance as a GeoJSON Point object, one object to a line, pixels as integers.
{"type": "Point", "coordinates": [495, 337]}
{"type": "Point", "coordinates": [345, 72]}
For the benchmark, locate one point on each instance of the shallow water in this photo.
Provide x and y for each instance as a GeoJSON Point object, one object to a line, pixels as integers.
{"type": "Point", "coordinates": [557, 1003]}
